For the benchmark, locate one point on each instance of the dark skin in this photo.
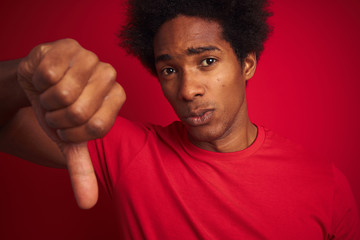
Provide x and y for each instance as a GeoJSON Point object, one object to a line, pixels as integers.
{"type": "Point", "coordinates": [204, 82]}
{"type": "Point", "coordinates": [73, 98]}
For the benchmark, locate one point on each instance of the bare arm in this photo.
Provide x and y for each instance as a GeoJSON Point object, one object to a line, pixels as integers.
{"type": "Point", "coordinates": [73, 98]}
{"type": "Point", "coordinates": [12, 97]}
{"type": "Point", "coordinates": [20, 133]}
{"type": "Point", "coordinates": [23, 137]}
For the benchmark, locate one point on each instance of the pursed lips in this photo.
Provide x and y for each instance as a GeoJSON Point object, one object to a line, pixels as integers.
{"type": "Point", "coordinates": [198, 117]}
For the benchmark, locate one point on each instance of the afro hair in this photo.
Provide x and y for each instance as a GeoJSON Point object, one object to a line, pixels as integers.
{"type": "Point", "coordinates": [244, 24]}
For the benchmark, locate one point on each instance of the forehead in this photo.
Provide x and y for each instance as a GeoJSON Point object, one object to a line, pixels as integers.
{"type": "Point", "coordinates": [184, 32]}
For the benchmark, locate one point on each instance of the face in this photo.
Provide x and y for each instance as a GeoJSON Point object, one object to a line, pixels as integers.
{"type": "Point", "coordinates": [202, 78]}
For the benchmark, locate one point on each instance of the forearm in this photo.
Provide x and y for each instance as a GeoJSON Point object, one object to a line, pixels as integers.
{"type": "Point", "coordinates": [20, 133]}
{"type": "Point", "coordinates": [24, 138]}
{"type": "Point", "coordinates": [12, 97]}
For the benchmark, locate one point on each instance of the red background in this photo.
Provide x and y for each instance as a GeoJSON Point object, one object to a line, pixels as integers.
{"type": "Point", "coordinates": [306, 88]}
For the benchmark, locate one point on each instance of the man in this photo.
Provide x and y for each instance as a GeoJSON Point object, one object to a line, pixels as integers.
{"type": "Point", "coordinates": [216, 175]}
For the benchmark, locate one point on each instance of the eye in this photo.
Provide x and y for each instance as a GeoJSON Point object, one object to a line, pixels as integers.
{"type": "Point", "coordinates": [167, 71]}
{"type": "Point", "coordinates": [207, 62]}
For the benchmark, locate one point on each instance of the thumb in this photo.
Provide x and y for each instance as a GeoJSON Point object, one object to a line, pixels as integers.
{"type": "Point", "coordinates": [82, 174]}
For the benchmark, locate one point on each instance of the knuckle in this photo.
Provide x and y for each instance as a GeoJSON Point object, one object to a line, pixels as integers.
{"type": "Point", "coordinates": [42, 48]}
{"type": "Point", "coordinates": [119, 93]}
{"type": "Point", "coordinates": [64, 96]}
{"type": "Point", "coordinates": [90, 56]}
{"type": "Point", "coordinates": [96, 127]}
{"type": "Point", "coordinates": [48, 74]}
{"type": "Point", "coordinates": [28, 65]}
{"type": "Point", "coordinates": [78, 114]}
{"type": "Point", "coordinates": [109, 72]}
{"type": "Point", "coordinates": [88, 59]}
{"type": "Point", "coordinates": [69, 42]}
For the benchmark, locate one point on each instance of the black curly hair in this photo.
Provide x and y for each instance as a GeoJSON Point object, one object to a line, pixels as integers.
{"type": "Point", "coordinates": [244, 24]}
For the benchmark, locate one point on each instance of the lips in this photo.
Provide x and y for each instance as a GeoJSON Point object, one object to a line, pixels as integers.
{"type": "Point", "coordinates": [199, 117]}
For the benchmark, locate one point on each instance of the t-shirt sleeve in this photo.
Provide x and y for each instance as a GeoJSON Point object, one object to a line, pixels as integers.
{"type": "Point", "coordinates": [345, 222]}
{"type": "Point", "coordinates": [111, 154]}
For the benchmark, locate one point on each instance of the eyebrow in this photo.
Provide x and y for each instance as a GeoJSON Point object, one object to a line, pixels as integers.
{"type": "Point", "coordinates": [198, 50]}
{"type": "Point", "coordinates": [190, 51]}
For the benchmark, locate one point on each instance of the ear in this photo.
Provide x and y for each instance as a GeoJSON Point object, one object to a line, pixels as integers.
{"type": "Point", "coordinates": [249, 66]}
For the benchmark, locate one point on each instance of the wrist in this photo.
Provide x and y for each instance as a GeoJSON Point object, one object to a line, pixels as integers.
{"type": "Point", "coordinates": [12, 96]}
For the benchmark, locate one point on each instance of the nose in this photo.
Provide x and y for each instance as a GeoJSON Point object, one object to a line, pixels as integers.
{"type": "Point", "coordinates": [191, 86]}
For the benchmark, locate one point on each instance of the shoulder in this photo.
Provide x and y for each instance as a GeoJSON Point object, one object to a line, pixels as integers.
{"type": "Point", "coordinates": [284, 148]}
{"type": "Point", "coordinates": [277, 143]}
{"type": "Point", "coordinates": [324, 178]}
{"type": "Point", "coordinates": [297, 164]}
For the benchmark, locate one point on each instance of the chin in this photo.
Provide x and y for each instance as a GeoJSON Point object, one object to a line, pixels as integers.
{"type": "Point", "coordinates": [204, 133]}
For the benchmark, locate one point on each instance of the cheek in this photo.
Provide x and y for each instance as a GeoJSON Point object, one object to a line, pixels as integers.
{"type": "Point", "coordinates": [231, 90]}
{"type": "Point", "coordinates": [228, 87]}
{"type": "Point", "coordinates": [167, 91]}
{"type": "Point", "coordinates": [170, 94]}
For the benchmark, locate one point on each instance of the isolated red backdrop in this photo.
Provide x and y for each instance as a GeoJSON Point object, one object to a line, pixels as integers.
{"type": "Point", "coordinates": [306, 88]}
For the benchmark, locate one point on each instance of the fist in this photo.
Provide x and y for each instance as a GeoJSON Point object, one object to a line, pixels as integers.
{"type": "Point", "coordinates": [75, 98]}
{"type": "Point", "coordinates": [74, 95]}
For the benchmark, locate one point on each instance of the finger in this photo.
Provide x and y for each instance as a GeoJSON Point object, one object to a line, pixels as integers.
{"type": "Point", "coordinates": [101, 122]}
{"type": "Point", "coordinates": [82, 175]}
{"type": "Point", "coordinates": [89, 101]}
{"type": "Point", "coordinates": [26, 69]}
{"type": "Point", "coordinates": [29, 64]}
{"type": "Point", "coordinates": [54, 63]}
{"type": "Point", "coordinates": [72, 83]}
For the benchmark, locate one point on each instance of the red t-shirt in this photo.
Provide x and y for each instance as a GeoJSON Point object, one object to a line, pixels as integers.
{"type": "Point", "coordinates": [164, 187]}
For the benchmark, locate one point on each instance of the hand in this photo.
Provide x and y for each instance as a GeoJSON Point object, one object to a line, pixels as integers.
{"type": "Point", "coordinates": [75, 98]}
